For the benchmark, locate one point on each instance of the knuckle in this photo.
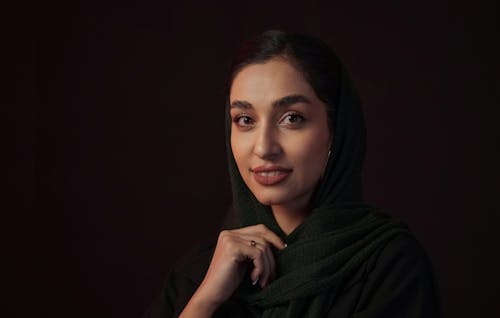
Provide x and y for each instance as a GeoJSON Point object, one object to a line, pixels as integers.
{"type": "Point", "coordinates": [261, 227]}
{"type": "Point", "coordinates": [257, 271]}
{"type": "Point", "coordinates": [225, 240]}
{"type": "Point", "coordinates": [260, 253]}
{"type": "Point", "coordinates": [259, 266]}
{"type": "Point", "coordinates": [222, 234]}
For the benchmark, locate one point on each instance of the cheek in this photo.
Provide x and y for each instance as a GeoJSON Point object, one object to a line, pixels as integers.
{"type": "Point", "coordinates": [240, 147]}
{"type": "Point", "coordinates": [310, 153]}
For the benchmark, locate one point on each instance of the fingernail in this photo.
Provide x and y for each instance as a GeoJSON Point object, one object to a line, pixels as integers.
{"type": "Point", "coordinates": [255, 282]}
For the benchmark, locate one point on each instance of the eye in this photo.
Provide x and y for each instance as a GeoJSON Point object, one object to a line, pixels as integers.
{"type": "Point", "coordinates": [293, 119]}
{"type": "Point", "coordinates": [243, 120]}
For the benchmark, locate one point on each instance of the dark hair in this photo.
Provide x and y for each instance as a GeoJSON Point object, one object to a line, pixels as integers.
{"type": "Point", "coordinates": [313, 58]}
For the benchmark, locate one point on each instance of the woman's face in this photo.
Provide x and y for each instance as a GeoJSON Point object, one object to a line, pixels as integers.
{"type": "Point", "coordinates": [279, 133]}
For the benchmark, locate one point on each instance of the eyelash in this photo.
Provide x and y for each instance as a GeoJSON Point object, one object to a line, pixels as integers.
{"type": "Point", "coordinates": [297, 115]}
{"type": "Point", "coordinates": [237, 119]}
{"type": "Point", "coordinates": [301, 118]}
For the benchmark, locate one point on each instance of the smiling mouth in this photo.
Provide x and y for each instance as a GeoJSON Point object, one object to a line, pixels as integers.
{"type": "Point", "coordinates": [269, 178]}
{"type": "Point", "coordinates": [269, 173]}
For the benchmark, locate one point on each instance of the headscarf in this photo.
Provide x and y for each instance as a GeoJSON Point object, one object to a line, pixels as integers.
{"type": "Point", "coordinates": [336, 238]}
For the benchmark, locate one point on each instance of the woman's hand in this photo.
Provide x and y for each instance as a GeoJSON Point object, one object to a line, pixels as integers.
{"type": "Point", "coordinates": [236, 252]}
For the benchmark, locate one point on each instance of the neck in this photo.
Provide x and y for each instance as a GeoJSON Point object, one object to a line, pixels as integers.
{"type": "Point", "coordinates": [289, 218]}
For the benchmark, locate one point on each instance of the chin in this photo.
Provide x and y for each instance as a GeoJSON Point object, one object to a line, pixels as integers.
{"type": "Point", "coordinates": [272, 199]}
{"type": "Point", "coordinates": [270, 202]}
{"type": "Point", "coordinates": [286, 196]}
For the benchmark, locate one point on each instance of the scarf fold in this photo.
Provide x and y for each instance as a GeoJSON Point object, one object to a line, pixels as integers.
{"type": "Point", "coordinates": [314, 265]}
{"type": "Point", "coordinates": [341, 233]}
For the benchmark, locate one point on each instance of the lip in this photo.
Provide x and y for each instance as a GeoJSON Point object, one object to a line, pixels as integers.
{"type": "Point", "coordinates": [282, 174]}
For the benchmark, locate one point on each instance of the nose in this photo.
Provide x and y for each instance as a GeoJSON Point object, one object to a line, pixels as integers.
{"type": "Point", "coordinates": [267, 145]}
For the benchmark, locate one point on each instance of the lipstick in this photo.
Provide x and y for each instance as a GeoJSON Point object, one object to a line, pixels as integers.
{"type": "Point", "coordinates": [270, 175]}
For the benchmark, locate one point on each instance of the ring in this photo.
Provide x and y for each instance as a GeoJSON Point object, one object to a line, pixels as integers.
{"type": "Point", "coordinates": [253, 243]}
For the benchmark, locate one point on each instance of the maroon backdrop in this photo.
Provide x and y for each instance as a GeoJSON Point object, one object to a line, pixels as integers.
{"type": "Point", "coordinates": [127, 142]}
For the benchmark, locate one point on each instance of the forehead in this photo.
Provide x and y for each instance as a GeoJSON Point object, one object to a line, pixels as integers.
{"type": "Point", "coordinates": [265, 82]}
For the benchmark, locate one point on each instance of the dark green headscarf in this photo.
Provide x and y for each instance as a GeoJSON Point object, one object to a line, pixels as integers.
{"type": "Point", "coordinates": [339, 235]}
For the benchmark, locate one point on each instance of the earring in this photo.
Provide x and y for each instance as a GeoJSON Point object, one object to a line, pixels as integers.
{"type": "Point", "coordinates": [326, 164]}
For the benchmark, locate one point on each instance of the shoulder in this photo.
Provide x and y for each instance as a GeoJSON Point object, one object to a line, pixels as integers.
{"type": "Point", "coordinates": [401, 251]}
{"type": "Point", "coordinates": [399, 282]}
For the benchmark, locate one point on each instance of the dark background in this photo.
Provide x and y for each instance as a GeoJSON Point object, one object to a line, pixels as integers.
{"type": "Point", "coordinates": [123, 161]}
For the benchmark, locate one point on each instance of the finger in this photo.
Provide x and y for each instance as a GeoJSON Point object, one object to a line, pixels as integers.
{"type": "Point", "coordinates": [270, 272]}
{"type": "Point", "coordinates": [238, 247]}
{"type": "Point", "coordinates": [261, 243]}
{"type": "Point", "coordinates": [267, 234]}
{"type": "Point", "coordinates": [264, 277]}
{"type": "Point", "coordinates": [257, 255]}
{"type": "Point", "coordinates": [272, 265]}
{"type": "Point", "coordinates": [256, 238]}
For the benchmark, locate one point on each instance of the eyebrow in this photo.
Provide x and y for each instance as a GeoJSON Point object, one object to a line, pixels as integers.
{"type": "Point", "coordinates": [279, 103]}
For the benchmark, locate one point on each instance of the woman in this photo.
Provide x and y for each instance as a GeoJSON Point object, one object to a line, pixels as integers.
{"type": "Point", "coordinates": [299, 240]}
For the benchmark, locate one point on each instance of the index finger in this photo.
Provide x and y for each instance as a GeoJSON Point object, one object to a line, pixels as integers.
{"type": "Point", "coordinates": [264, 232]}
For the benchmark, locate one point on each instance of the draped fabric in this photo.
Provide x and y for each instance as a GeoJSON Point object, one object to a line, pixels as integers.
{"type": "Point", "coordinates": [347, 259]}
{"type": "Point", "coordinates": [340, 234]}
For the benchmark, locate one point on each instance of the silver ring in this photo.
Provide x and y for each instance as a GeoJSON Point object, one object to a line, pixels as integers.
{"type": "Point", "coordinates": [253, 243]}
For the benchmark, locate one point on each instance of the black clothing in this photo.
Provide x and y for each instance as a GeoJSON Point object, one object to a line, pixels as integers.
{"type": "Point", "coordinates": [396, 282]}
{"type": "Point", "coordinates": [347, 259]}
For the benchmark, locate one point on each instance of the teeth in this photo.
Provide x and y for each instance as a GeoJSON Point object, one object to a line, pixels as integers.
{"type": "Point", "coordinates": [269, 173]}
